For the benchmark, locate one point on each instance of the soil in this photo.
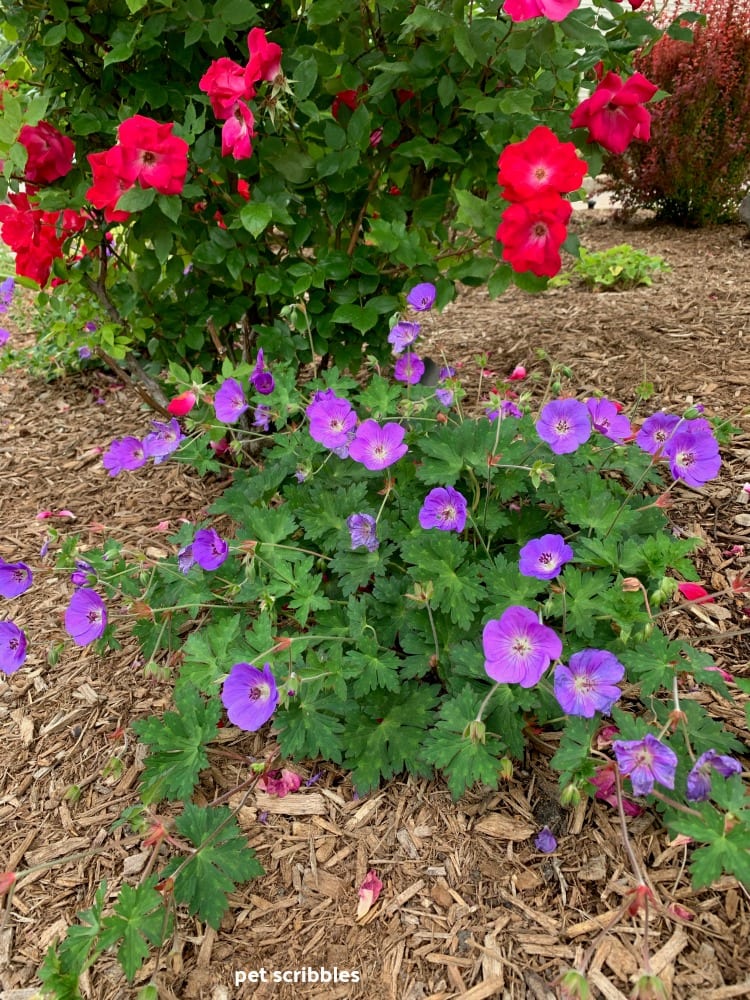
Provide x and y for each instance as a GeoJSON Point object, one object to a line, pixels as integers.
{"type": "Point", "coordinates": [470, 908]}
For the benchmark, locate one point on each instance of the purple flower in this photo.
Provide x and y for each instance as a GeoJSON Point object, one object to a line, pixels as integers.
{"type": "Point", "coordinates": [588, 684]}
{"type": "Point", "coordinates": [7, 288]}
{"type": "Point", "coordinates": [507, 408]}
{"type": "Point", "coordinates": [85, 617]}
{"type": "Point", "coordinates": [90, 327]}
{"type": "Point", "coordinates": [249, 695]}
{"type": "Point", "coordinates": [403, 335]}
{"type": "Point", "coordinates": [699, 779]}
{"type": "Point", "coordinates": [545, 841]}
{"type": "Point", "coordinates": [447, 371]}
{"type": "Point", "coordinates": [646, 761]}
{"type": "Point", "coordinates": [544, 557]}
{"type": "Point", "coordinates": [444, 397]}
{"type": "Point", "coordinates": [409, 368]}
{"type": "Point", "coordinates": [518, 649]}
{"type": "Point", "coordinates": [607, 420]}
{"type": "Point", "coordinates": [209, 550]}
{"type": "Point", "coordinates": [82, 574]}
{"type": "Point", "coordinates": [12, 647]}
{"type": "Point", "coordinates": [422, 297]}
{"type": "Point", "coordinates": [362, 528]}
{"type": "Point", "coordinates": [262, 416]}
{"type": "Point", "coordinates": [332, 419]}
{"type": "Point", "coordinates": [262, 381]}
{"type": "Point", "coordinates": [84, 352]}
{"type": "Point", "coordinates": [443, 508]}
{"type": "Point", "coordinates": [162, 440]}
{"type": "Point", "coordinates": [229, 401]}
{"type": "Point", "coordinates": [693, 455]}
{"type": "Point", "coordinates": [124, 454]}
{"type": "Point", "coordinates": [377, 447]}
{"type": "Point", "coordinates": [4, 336]}
{"type": "Point", "coordinates": [15, 578]}
{"type": "Point", "coordinates": [564, 424]}
{"type": "Point", "coordinates": [185, 558]}
{"type": "Point", "coordinates": [656, 431]}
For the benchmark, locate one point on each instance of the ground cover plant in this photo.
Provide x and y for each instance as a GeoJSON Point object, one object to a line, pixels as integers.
{"type": "Point", "coordinates": [488, 566]}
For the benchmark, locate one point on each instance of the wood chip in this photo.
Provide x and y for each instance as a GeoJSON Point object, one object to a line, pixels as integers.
{"type": "Point", "coordinates": [503, 827]}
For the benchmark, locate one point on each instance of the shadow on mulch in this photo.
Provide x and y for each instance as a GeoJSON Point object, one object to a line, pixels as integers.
{"type": "Point", "coordinates": [469, 907]}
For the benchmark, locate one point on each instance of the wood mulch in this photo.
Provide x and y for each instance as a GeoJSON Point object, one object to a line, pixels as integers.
{"type": "Point", "coordinates": [469, 907]}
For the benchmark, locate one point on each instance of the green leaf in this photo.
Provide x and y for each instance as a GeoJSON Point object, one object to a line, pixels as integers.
{"type": "Point", "coordinates": [255, 216]}
{"type": "Point", "coordinates": [455, 592]}
{"type": "Point", "coordinates": [362, 318]}
{"type": "Point", "coordinates": [221, 861]}
{"type": "Point", "coordinates": [120, 53]}
{"type": "Point", "coordinates": [311, 726]}
{"type": "Point", "coordinates": [208, 652]}
{"type": "Point", "coordinates": [136, 199]}
{"type": "Point", "coordinates": [138, 922]}
{"type": "Point", "coordinates": [65, 962]}
{"type": "Point", "coordinates": [178, 746]}
{"type": "Point", "coordinates": [135, 5]}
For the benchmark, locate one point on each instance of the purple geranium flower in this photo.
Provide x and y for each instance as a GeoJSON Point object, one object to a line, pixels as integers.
{"type": "Point", "coordinates": [7, 288]}
{"type": "Point", "coordinates": [544, 557]}
{"type": "Point", "coordinates": [507, 408]}
{"type": "Point", "coordinates": [82, 574]}
{"type": "Point", "coordinates": [185, 558]}
{"type": "Point", "coordinates": [545, 841]}
{"type": "Point", "coordinates": [362, 529]}
{"type": "Point", "coordinates": [444, 396]}
{"type": "Point", "coordinates": [607, 420]}
{"type": "Point", "coordinates": [262, 416]}
{"type": "Point", "coordinates": [656, 431]}
{"type": "Point", "coordinates": [699, 779]}
{"type": "Point", "coordinates": [422, 297]}
{"type": "Point", "coordinates": [262, 381]}
{"type": "Point", "coordinates": [646, 761]}
{"type": "Point", "coordinates": [377, 447]}
{"type": "Point", "coordinates": [85, 617]}
{"type": "Point", "coordinates": [403, 335]}
{"type": "Point", "coordinates": [249, 695]}
{"type": "Point", "coordinates": [209, 550]}
{"type": "Point", "coordinates": [162, 440]}
{"type": "Point", "coordinates": [588, 684]}
{"type": "Point", "coordinates": [15, 578]}
{"type": "Point", "coordinates": [332, 420]}
{"type": "Point", "coordinates": [564, 424]}
{"type": "Point", "coordinates": [693, 455]}
{"type": "Point", "coordinates": [229, 401]}
{"type": "Point", "coordinates": [443, 508]}
{"type": "Point", "coordinates": [12, 647]}
{"type": "Point", "coordinates": [517, 648]}
{"type": "Point", "coordinates": [409, 368]}
{"type": "Point", "coordinates": [4, 336]}
{"type": "Point", "coordinates": [124, 454]}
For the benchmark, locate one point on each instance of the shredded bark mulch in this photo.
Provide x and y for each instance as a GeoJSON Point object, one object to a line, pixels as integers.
{"type": "Point", "coordinates": [469, 907]}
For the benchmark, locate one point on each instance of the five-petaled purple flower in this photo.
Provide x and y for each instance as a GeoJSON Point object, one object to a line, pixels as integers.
{"type": "Point", "coordinates": [403, 335]}
{"type": "Point", "coordinates": [693, 454]}
{"type": "Point", "coordinates": [12, 647]}
{"type": "Point", "coordinates": [362, 528]}
{"type": "Point", "coordinates": [15, 578]}
{"type": "Point", "coordinates": [262, 416]}
{"type": "Point", "coordinates": [209, 550]}
{"type": "Point", "coordinates": [699, 779]}
{"type": "Point", "coordinates": [6, 294]}
{"type": "Point", "coordinates": [506, 408]}
{"type": "Point", "coordinates": [656, 431]}
{"type": "Point", "coordinates": [518, 648]}
{"type": "Point", "coordinates": [162, 440]}
{"type": "Point", "coordinates": [564, 424]}
{"type": "Point", "coordinates": [85, 617]}
{"type": "Point", "coordinates": [443, 508]}
{"type": "Point", "coordinates": [332, 420]}
{"type": "Point", "coordinates": [249, 695]}
{"type": "Point", "coordinates": [588, 684]}
{"type": "Point", "coordinates": [262, 381]}
{"type": "Point", "coordinates": [545, 841]}
{"type": "Point", "coordinates": [607, 420]}
{"type": "Point", "coordinates": [229, 401]}
{"type": "Point", "coordinates": [409, 368]}
{"type": "Point", "coordinates": [422, 297]}
{"type": "Point", "coordinates": [377, 447]}
{"type": "Point", "coordinates": [544, 557]}
{"type": "Point", "coordinates": [646, 761]}
{"type": "Point", "coordinates": [124, 454]}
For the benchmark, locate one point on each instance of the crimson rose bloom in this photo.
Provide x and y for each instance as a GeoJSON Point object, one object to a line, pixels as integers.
{"type": "Point", "coordinates": [265, 57]}
{"type": "Point", "coordinates": [614, 114]}
{"type": "Point", "coordinates": [532, 232]}
{"type": "Point", "coordinates": [50, 153]}
{"type": "Point", "coordinates": [105, 192]}
{"type": "Point", "coordinates": [148, 153]}
{"type": "Point", "coordinates": [225, 83]}
{"type": "Point", "coordinates": [524, 10]}
{"type": "Point", "coordinates": [538, 165]}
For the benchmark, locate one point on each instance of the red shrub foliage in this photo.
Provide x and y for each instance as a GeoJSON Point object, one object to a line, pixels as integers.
{"type": "Point", "coordinates": [696, 167]}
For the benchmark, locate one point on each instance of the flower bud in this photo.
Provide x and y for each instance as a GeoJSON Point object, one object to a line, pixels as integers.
{"type": "Point", "coordinates": [505, 770]}
{"type": "Point", "coordinates": [476, 731]}
{"type": "Point", "coordinates": [649, 987]}
{"type": "Point", "coordinates": [630, 584]}
{"type": "Point", "coordinates": [574, 986]}
{"type": "Point", "coordinates": [570, 795]}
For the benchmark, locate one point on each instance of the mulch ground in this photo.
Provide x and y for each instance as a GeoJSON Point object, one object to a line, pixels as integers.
{"type": "Point", "coordinates": [469, 908]}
